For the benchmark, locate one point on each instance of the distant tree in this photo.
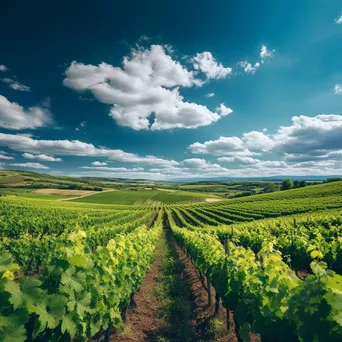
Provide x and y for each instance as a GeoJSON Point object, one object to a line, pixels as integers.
{"type": "Point", "coordinates": [286, 184]}
{"type": "Point", "coordinates": [270, 187]}
{"type": "Point", "coordinates": [299, 184]}
{"type": "Point", "coordinates": [329, 180]}
{"type": "Point", "coordinates": [302, 184]}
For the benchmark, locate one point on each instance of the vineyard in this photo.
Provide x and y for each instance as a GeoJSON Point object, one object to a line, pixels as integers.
{"type": "Point", "coordinates": [69, 270]}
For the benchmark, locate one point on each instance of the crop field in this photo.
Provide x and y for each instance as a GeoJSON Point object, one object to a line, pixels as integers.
{"type": "Point", "coordinates": [136, 265]}
{"type": "Point", "coordinates": [144, 196]}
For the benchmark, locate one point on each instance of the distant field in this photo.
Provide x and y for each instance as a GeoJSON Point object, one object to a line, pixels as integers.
{"type": "Point", "coordinates": [144, 196]}
{"type": "Point", "coordinates": [31, 194]}
{"type": "Point", "coordinates": [65, 192]}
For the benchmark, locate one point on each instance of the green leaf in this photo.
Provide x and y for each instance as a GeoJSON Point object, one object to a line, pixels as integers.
{"type": "Point", "coordinates": [318, 268]}
{"type": "Point", "coordinates": [16, 335]}
{"type": "Point", "coordinates": [16, 297]}
{"type": "Point", "coordinates": [95, 326]}
{"type": "Point", "coordinates": [56, 306]}
{"type": "Point", "coordinates": [83, 304]}
{"type": "Point", "coordinates": [74, 280]}
{"type": "Point", "coordinates": [12, 327]}
{"type": "Point", "coordinates": [78, 260]}
{"type": "Point", "coordinates": [69, 325]}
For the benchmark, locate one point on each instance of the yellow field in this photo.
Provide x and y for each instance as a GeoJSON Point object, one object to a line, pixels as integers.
{"type": "Point", "coordinates": [65, 192]}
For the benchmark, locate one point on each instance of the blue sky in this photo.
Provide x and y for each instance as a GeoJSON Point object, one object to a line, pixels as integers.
{"type": "Point", "coordinates": [172, 90]}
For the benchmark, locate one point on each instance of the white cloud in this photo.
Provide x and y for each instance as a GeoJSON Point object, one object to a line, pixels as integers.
{"type": "Point", "coordinates": [210, 95]}
{"type": "Point", "coordinates": [338, 20]}
{"type": "Point", "coordinates": [223, 110]}
{"type": "Point", "coordinates": [338, 89]}
{"type": "Point", "coordinates": [15, 85]}
{"type": "Point", "coordinates": [3, 155]}
{"type": "Point", "coordinates": [233, 146]}
{"type": "Point", "coordinates": [13, 116]}
{"type": "Point", "coordinates": [306, 139]}
{"type": "Point", "coordinates": [42, 157]}
{"type": "Point", "coordinates": [194, 163]}
{"type": "Point", "coordinates": [26, 144]}
{"type": "Point", "coordinates": [248, 67]}
{"type": "Point", "coordinates": [98, 163]}
{"type": "Point", "coordinates": [207, 64]}
{"type": "Point", "coordinates": [239, 160]}
{"type": "Point", "coordinates": [313, 136]}
{"type": "Point", "coordinates": [3, 68]}
{"type": "Point", "coordinates": [271, 164]}
{"type": "Point", "coordinates": [81, 125]}
{"type": "Point", "coordinates": [29, 165]}
{"type": "Point", "coordinates": [257, 141]}
{"type": "Point", "coordinates": [113, 169]}
{"type": "Point", "coordinates": [264, 53]}
{"type": "Point", "coordinates": [144, 92]}
{"type": "Point", "coordinates": [192, 166]}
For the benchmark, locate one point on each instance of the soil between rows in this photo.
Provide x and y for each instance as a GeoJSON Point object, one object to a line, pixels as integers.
{"type": "Point", "coordinates": [146, 321]}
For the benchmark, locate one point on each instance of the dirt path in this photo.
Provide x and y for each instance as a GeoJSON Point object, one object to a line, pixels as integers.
{"type": "Point", "coordinates": [172, 304]}
{"type": "Point", "coordinates": [86, 195]}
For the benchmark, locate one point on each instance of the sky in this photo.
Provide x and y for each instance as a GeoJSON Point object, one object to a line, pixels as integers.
{"type": "Point", "coordinates": [172, 90]}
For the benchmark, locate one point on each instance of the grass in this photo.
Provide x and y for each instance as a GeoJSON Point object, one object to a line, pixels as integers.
{"type": "Point", "coordinates": [7, 180]}
{"type": "Point", "coordinates": [173, 294]}
{"type": "Point", "coordinates": [143, 196]}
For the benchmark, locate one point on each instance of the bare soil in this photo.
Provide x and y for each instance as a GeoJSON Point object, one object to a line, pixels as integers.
{"type": "Point", "coordinates": [212, 199]}
{"type": "Point", "coordinates": [144, 321]}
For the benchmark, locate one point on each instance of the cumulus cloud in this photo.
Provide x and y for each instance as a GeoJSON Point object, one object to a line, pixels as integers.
{"type": "Point", "coordinates": [307, 138]}
{"type": "Point", "coordinates": [265, 53]}
{"type": "Point", "coordinates": [239, 160]}
{"type": "Point", "coordinates": [210, 95]}
{"type": "Point", "coordinates": [29, 165]}
{"type": "Point", "coordinates": [3, 68]}
{"type": "Point", "coordinates": [193, 166]}
{"type": "Point", "coordinates": [248, 67]}
{"type": "Point", "coordinates": [316, 136]}
{"type": "Point", "coordinates": [233, 146]}
{"type": "Point", "coordinates": [195, 163]}
{"type": "Point", "coordinates": [205, 62]}
{"type": "Point", "coordinates": [338, 89]}
{"type": "Point", "coordinates": [98, 163]}
{"type": "Point", "coordinates": [257, 141]}
{"type": "Point", "coordinates": [27, 144]}
{"type": "Point", "coordinates": [15, 85]}
{"type": "Point", "coordinates": [42, 157]}
{"type": "Point", "coordinates": [13, 116]}
{"type": "Point", "coordinates": [145, 91]}
{"type": "Point", "coordinates": [223, 110]}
